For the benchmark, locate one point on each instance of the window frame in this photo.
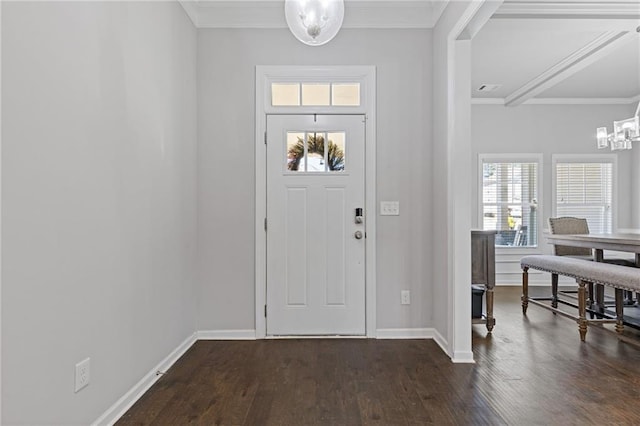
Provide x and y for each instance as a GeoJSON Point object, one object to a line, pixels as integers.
{"type": "Point", "coordinates": [587, 158]}
{"type": "Point", "coordinates": [513, 158]}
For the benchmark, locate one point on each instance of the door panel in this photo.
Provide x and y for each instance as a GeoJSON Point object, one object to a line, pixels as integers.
{"type": "Point", "coordinates": [315, 264]}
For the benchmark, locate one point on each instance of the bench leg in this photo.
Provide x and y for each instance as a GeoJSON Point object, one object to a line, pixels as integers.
{"type": "Point", "coordinates": [590, 301]}
{"type": "Point", "coordinates": [554, 290]}
{"type": "Point", "coordinates": [619, 311]}
{"type": "Point", "coordinates": [525, 290]}
{"type": "Point", "coordinates": [582, 310]}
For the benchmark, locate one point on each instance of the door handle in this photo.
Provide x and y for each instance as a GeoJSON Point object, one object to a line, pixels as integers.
{"type": "Point", "coordinates": [358, 235]}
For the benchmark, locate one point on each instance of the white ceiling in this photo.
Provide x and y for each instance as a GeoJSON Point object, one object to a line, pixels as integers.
{"type": "Point", "coordinates": [559, 51]}
{"type": "Point", "coordinates": [555, 51]}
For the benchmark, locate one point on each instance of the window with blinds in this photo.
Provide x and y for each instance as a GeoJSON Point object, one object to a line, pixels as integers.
{"type": "Point", "coordinates": [585, 189]}
{"type": "Point", "coordinates": [509, 201]}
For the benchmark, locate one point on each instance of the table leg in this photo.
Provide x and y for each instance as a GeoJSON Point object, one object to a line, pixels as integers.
{"type": "Point", "coordinates": [629, 298]}
{"type": "Point", "coordinates": [599, 255]}
{"type": "Point", "coordinates": [619, 311]}
{"type": "Point", "coordinates": [590, 299]}
{"type": "Point", "coordinates": [599, 305]}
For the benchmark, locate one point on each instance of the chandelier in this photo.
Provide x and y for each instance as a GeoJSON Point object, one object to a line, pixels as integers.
{"type": "Point", "coordinates": [314, 22]}
{"type": "Point", "coordinates": [624, 133]}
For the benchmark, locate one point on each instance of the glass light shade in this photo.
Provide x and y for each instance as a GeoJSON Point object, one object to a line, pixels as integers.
{"type": "Point", "coordinates": [627, 129]}
{"type": "Point", "coordinates": [601, 135]}
{"type": "Point", "coordinates": [314, 22]}
{"type": "Point", "coordinates": [618, 144]}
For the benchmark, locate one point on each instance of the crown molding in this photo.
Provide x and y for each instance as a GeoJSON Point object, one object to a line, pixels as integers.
{"type": "Point", "coordinates": [623, 9]}
{"type": "Point", "coordinates": [191, 9]}
{"type": "Point", "coordinates": [402, 13]}
{"type": "Point", "coordinates": [560, 101]}
{"type": "Point", "coordinates": [270, 13]}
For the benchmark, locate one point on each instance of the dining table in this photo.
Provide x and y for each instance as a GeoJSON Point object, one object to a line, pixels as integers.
{"type": "Point", "coordinates": [624, 242]}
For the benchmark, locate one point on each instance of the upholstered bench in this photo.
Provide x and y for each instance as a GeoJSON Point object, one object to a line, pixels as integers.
{"type": "Point", "coordinates": [584, 272]}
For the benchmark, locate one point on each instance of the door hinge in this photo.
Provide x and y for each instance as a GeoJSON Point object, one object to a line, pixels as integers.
{"type": "Point", "coordinates": [265, 311]}
{"type": "Point", "coordinates": [265, 223]}
{"type": "Point", "coordinates": [265, 138]}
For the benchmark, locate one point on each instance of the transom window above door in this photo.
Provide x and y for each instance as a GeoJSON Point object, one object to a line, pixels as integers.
{"type": "Point", "coordinates": [315, 94]}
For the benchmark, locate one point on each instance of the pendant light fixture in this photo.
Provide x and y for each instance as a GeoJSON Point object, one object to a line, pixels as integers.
{"type": "Point", "coordinates": [624, 133]}
{"type": "Point", "coordinates": [314, 22]}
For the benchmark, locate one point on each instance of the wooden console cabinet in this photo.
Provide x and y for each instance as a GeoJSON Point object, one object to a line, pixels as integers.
{"type": "Point", "coordinates": [483, 270]}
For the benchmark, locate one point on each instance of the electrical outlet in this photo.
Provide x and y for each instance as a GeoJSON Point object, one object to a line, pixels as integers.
{"type": "Point", "coordinates": [83, 373]}
{"type": "Point", "coordinates": [405, 297]}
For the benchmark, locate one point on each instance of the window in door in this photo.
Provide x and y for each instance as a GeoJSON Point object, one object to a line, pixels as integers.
{"type": "Point", "coordinates": [315, 152]}
{"type": "Point", "coordinates": [509, 194]}
{"type": "Point", "coordinates": [584, 188]}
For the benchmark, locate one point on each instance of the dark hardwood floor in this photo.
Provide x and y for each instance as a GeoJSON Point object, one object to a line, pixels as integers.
{"type": "Point", "coordinates": [533, 370]}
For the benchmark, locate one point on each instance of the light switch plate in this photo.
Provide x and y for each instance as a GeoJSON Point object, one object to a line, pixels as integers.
{"type": "Point", "coordinates": [389, 208]}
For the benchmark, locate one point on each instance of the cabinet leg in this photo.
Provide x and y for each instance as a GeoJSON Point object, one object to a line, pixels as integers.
{"type": "Point", "coordinates": [491, 321]}
{"type": "Point", "coordinates": [525, 290]}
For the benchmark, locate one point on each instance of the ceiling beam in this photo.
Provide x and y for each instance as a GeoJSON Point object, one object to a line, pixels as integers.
{"type": "Point", "coordinates": [479, 20]}
{"type": "Point", "coordinates": [583, 57]}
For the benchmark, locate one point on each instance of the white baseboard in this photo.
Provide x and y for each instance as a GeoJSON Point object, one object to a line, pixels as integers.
{"type": "Point", "coordinates": [118, 409]}
{"type": "Point", "coordinates": [424, 333]}
{"type": "Point", "coordinates": [463, 357]}
{"type": "Point", "coordinates": [226, 335]}
{"type": "Point", "coordinates": [442, 342]}
{"type": "Point", "coordinates": [405, 333]}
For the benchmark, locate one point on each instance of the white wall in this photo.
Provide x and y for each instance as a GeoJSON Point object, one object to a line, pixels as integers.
{"type": "Point", "coordinates": [226, 67]}
{"type": "Point", "coordinates": [547, 130]}
{"type": "Point", "coordinates": [98, 200]}
{"type": "Point", "coordinates": [450, 178]}
{"type": "Point", "coordinates": [635, 179]}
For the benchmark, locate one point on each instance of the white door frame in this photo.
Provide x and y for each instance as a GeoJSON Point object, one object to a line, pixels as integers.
{"type": "Point", "coordinates": [366, 76]}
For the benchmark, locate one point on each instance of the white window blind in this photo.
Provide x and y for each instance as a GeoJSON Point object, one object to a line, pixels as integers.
{"type": "Point", "coordinates": [509, 202]}
{"type": "Point", "coordinates": [585, 190]}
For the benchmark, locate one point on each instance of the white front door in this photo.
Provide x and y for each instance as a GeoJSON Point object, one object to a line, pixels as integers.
{"type": "Point", "coordinates": [316, 225]}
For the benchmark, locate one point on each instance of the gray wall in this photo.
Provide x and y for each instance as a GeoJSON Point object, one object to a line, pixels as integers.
{"type": "Point", "coordinates": [547, 130]}
{"type": "Point", "coordinates": [226, 194]}
{"type": "Point", "coordinates": [98, 208]}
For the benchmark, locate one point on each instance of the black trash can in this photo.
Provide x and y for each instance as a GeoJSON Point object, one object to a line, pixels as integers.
{"type": "Point", "coordinates": [477, 292]}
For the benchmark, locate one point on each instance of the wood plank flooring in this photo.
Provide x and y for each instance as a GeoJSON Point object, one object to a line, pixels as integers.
{"type": "Point", "coordinates": [533, 370]}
